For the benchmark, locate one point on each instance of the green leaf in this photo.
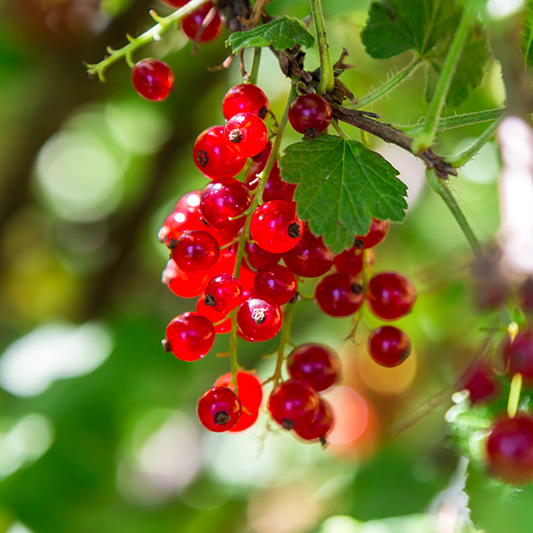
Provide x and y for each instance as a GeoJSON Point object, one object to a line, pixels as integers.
{"type": "Point", "coordinates": [426, 27]}
{"type": "Point", "coordinates": [527, 33]}
{"type": "Point", "coordinates": [281, 33]}
{"type": "Point", "coordinates": [341, 184]}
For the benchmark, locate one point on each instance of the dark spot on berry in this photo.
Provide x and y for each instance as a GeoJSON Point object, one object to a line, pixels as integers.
{"type": "Point", "coordinates": [294, 230]}
{"type": "Point", "coordinates": [357, 288]}
{"type": "Point", "coordinates": [235, 136]}
{"type": "Point", "coordinates": [202, 158]}
{"type": "Point", "coordinates": [287, 424]}
{"type": "Point", "coordinates": [209, 300]}
{"type": "Point", "coordinates": [404, 355]}
{"type": "Point", "coordinates": [311, 133]}
{"type": "Point", "coordinates": [166, 345]}
{"type": "Point", "coordinates": [358, 243]}
{"type": "Point", "coordinates": [222, 418]}
{"type": "Point", "coordinates": [295, 298]}
{"type": "Point", "coordinates": [263, 112]}
{"type": "Point", "coordinates": [323, 442]}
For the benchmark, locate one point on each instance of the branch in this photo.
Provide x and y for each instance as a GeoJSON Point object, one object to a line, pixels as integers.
{"type": "Point", "coordinates": [327, 79]}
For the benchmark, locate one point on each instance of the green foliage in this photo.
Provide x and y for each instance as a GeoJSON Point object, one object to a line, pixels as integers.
{"type": "Point", "coordinates": [341, 184]}
{"type": "Point", "coordinates": [281, 33]}
{"type": "Point", "coordinates": [527, 33]}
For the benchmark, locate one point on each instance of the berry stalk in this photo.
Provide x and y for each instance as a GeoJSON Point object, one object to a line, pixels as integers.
{"type": "Point", "coordinates": [327, 78]}
{"type": "Point", "coordinates": [288, 314]}
{"type": "Point", "coordinates": [254, 71]}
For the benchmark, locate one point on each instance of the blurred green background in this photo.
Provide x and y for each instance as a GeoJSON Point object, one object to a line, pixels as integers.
{"type": "Point", "coordinates": [98, 431]}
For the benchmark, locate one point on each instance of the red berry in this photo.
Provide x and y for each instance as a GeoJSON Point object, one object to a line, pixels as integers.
{"type": "Point", "coordinates": [192, 24]}
{"type": "Point", "coordinates": [389, 346]}
{"type": "Point", "coordinates": [245, 98]}
{"type": "Point", "coordinates": [293, 405]}
{"type": "Point", "coordinates": [219, 409]}
{"type": "Point", "coordinates": [320, 427]}
{"type": "Point", "coordinates": [225, 263]}
{"type": "Point", "coordinates": [275, 187]}
{"type": "Point", "coordinates": [510, 449]}
{"type": "Point", "coordinates": [213, 316]}
{"type": "Point", "coordinates": [518, 355]}
{"type": "Point", "coordinates": [223, 293]}
{"type": "Point", "coordinates": [213, 157]}
{"type": "Point", "coordinates": [195, 251]}
{"type": "Point", "coordinates": [352, 261]}
{"type": "Point", "coordinates": [310, 114]}
{"type": "Point", "coordinates": [275, 226]}
{"type": "Point", "coordinates": [259, 319]}
{"type": "Point", "coordinates": [152, 79]}
{"type": "Point", "coordinates": [246, 134]}
{"type": "Point", "coordinates": [481, 383]}
{"type": "Point", "coordinates": [181, 283]}
{"type": "Point", "coordinates": [189, 336]}
{"type": "Point", "coordinates": [276, 282]}
{"type": "Point", "coordinates": [390, 295]}
{"type": "Point", "coordinates": [315, 365]}
{"type": "Point", "coordinates": [223, 199]}
{"type": "Point", "coordinates": [339, 295]}
{"type": "Point", "coordinates": [258, 258]}
{"type": "Point", "coordinates": [375, 234]}
{"type": "Point", "coordinates": [310, 258]}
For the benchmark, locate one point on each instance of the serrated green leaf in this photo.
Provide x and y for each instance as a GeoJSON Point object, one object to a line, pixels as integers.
{"type": "Point", "coordinates": [527, 33]}
{"type": "Point", "coordinates": [281, 33]}
{"type": "Point", "coordinates": [426, 27]}
{"type": "Point", "coordinates": [341, 184]}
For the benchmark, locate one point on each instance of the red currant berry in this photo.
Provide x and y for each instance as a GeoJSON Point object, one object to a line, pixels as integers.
{"type": "Point", "coordinates": [320, 427]}
{"type": "Point", "coordinates": [276, 282]}
{"type": "Point", "coordinates": [389, 346]}
{"type": "Point", "coordinates": [226, 263]}
{"type": "Point", "coordinates": [213, 157]}
{"type": "Point", "coordinates": [152, 79]}
{"type": "Point", "coordinates": [246, 134]}
{"type": "Point", "coordinates": [219, 409]}
{"type": "Point", "coordinates": [205, 310]}
{"type": "Point", "coordinates": [223, 293]}
{"type": "Point", "coordinates": [339, 295]}
{"type": "Point", "coordinates": [315, 365]}
{"type": "Point", "coordinates": [390, 295]}
{"type": "Point", "coordinates": [185, 217]}
{"type": "Point", "coordinates": [275, 188]}
{"type": "Point", "coordinates": [353, 260]}
{"type": "Point", "coordinates": [259, 319]}
{"type": "Point", "coordinates": [518, 355]}
{"type": "Point", "coordinates": [246, 279]}
{"type": "Point", "coordinates": [275, 227]}
{"type": "Point", "coordinates": [245, 98]}
{"type": "Point", "coordinates": [189, 336]}
{"type": "Point", "coordinates": [375, 234]}
{"type": "Point", "coordinates": [481, 383]}
{"type": "Point", "coordinates": [293, 405]}
{"type": "Point", "coordinates": [257, 258]}
{"type": "Point", "coordinates": [193, 22]}
{"type": "Point", "coordinates": [262, 157]}
{"type": "Point", "coordinates": [310, 114]}
{"type": "Point", "coordinates": [509, 449]}
{"type": "Point", "coordinates": [195, 251]}
{"type": "Point", "coordinates": [310, 258]}
{"type": "Point", "coordinates": [223, 203]}
{"type": "Point", "coordinates": [184, 284]}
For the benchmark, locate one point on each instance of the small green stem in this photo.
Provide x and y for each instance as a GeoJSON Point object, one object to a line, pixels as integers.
{"type": "Point", "coordinates": [254, 72]}
{"type": "Point", "coordinates": [338, 129]}
{"type": "Point", "coordinates": [425, 139]}
{"type": "Point", "coordinates": [514, 395]}
{"type": "Point", "coordinates": [464, 157]}
{"type": "Point", "coordinates": [327, 78]}
{"type": "Point", "coordinates": [288, 314]}
{"type": "Point", "coordinates": [163, 25]}
{"type": "Point", "coordinates": [384, 89]}
{"type": "Point", "coordinates": [442, 189]}
{"type": "Point", "coordinates": [233, 350]}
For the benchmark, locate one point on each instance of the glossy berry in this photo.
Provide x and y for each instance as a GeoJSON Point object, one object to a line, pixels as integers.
{"type": "Point", "coordinates": [389, 346]}
{"type": "Point", "coordinates": [339, 295]}
{"type": "Point", "coordinates": [191, 25]}
{"type": "Point", "coordinates": [375, 234]}
{"type": "Point", "coordinates": [245, 98]}
{"type": "Point", "coordinates": [195, 251]}
{"type": "Point", "coordinates": [184, 284]}
{"type": "Point", "coordinates": [223, 293]}
{"type": "Point", "coordinates": [219, 409]}
{"type": "Point", "coordinates": [205, 310]}
{"type": "Point", "coordinates": [320, 427]}
{"type": "Point", "coordinates": [390, 295]}
{"type": "Point", "coordinates": [275, 188]}
{"type": "Point", "coordinates": [213, 157]}
{"type": "Point", "coordinates": [352, 261]}
{"type": "Point", "coordinates": [189, 336]}
{"type": "Point", "coordinates": [221, 201]}
{"type": "Point", "coordinates": [509, 448]}
{"type": "Point", "coordinates": [276, 282]}
{"type": "Point", "coordinates": [518, 355]}
{"type": "Point", "coordinates": [185, 217]}
{"type": "Point", "coordinates": [275, 227]}
{"type": "Point", "coordinates": [257, 258]}
{"type": "Point", "coordinates": [293, 405]}
{"type": "Point", "coordinates": [225, 263]}
{"type": "Point", "coordinates": [310, 258]}
{"type": "Point", "coordinates": [481, 383]}
{"type": "Point", "coordinates": [259, 318]}
{"type": "Point", "coordinates": [246, 134]}
{"type": "Point", "coordinates": [315, 365]}
{"type": "Point", "coordinates": [310, 114]}
{"type": "Point", "coordinates": [152, 79]}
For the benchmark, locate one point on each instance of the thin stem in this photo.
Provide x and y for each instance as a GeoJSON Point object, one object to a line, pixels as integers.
{"type": "Point", "coordinates": [425, 139]}
{"type": "Point", "coordinates": [386, 87]}
{"type": "Point", "coordinates": [464, 157]}
{"type": "Point", "coordinates": [514, 395]}
{"type": "Point", "coordinates": [233, 350]}
{"type": "Point", "coordinates": [288, 314]}
{"type": "Point", "coordinates": [327, 78]}
{"type": "Point", "coordinates": [442, 189]}
{"type": "Point", "coordinates": [154, 33]}
{"type": "Point", "coordinates": [254, 72]}
{"type": "Point", "coordinates": [338, 129]}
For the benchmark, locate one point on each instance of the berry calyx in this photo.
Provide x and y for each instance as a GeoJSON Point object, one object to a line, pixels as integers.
{"type": "Point", "coordinates": [246, 134]}
{"type": "Point", "coordinates": [195, 251]}
{"type": "Point", "coordinates": [389, 346]}
{"type": "Point", "coordinates": [339, 295]}
{"type": "Point", "coordinates": [320, 427]}
{"type": "Point", "coordinates": [223, 293]}
{"type": "Point", "coordinates": [376, 233]}
{"type": "Point", "coordinates": [293, 405]}
{"type": "Point", "coordinates": [259, 318]}
{"type": "Point", "coordinates": [245, 98]}
{"type": "Point", "coordinates": [192, 24]}
{"type": "Point", "coordinates": [152, 79]}
{"type": "Point", "coordinates": [219, 409]}
{"type": "Point", "coordinates": [310, 114]}
{"type": "Point", "coordinates": [390, 295]}
{"type": "Point", "coordinates": [518, 355]}
{"type": "Point", "coordinates": [189, 336]}
{"type": "Point", "coordinates": [276, 282]}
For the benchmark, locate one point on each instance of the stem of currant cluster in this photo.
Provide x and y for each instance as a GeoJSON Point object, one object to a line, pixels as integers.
{"type": "Point", "coordinates": [254, 71]}
{"type": "Point", "coordinates": [514, 395]}
{"type": "Point", "coordinates": [154, 33]}
{"type": "Point", "coordinates": [288, 314]}
{"type": "Point", "coordinates": [327, 78]}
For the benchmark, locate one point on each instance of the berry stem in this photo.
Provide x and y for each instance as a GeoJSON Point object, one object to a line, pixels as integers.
{"type": "Point", "coordinates": [514, 395]}
{"type": "Point", "coordinates": [425, 139]}
{"type": "Point", "coordinates": [154, 33]}
{"type": "Point", "coordinates": [288, 313]}
{"type": "Point", "coordinates": [254, 72]}
{"type": "Point", "coordinates": [327, 78]}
